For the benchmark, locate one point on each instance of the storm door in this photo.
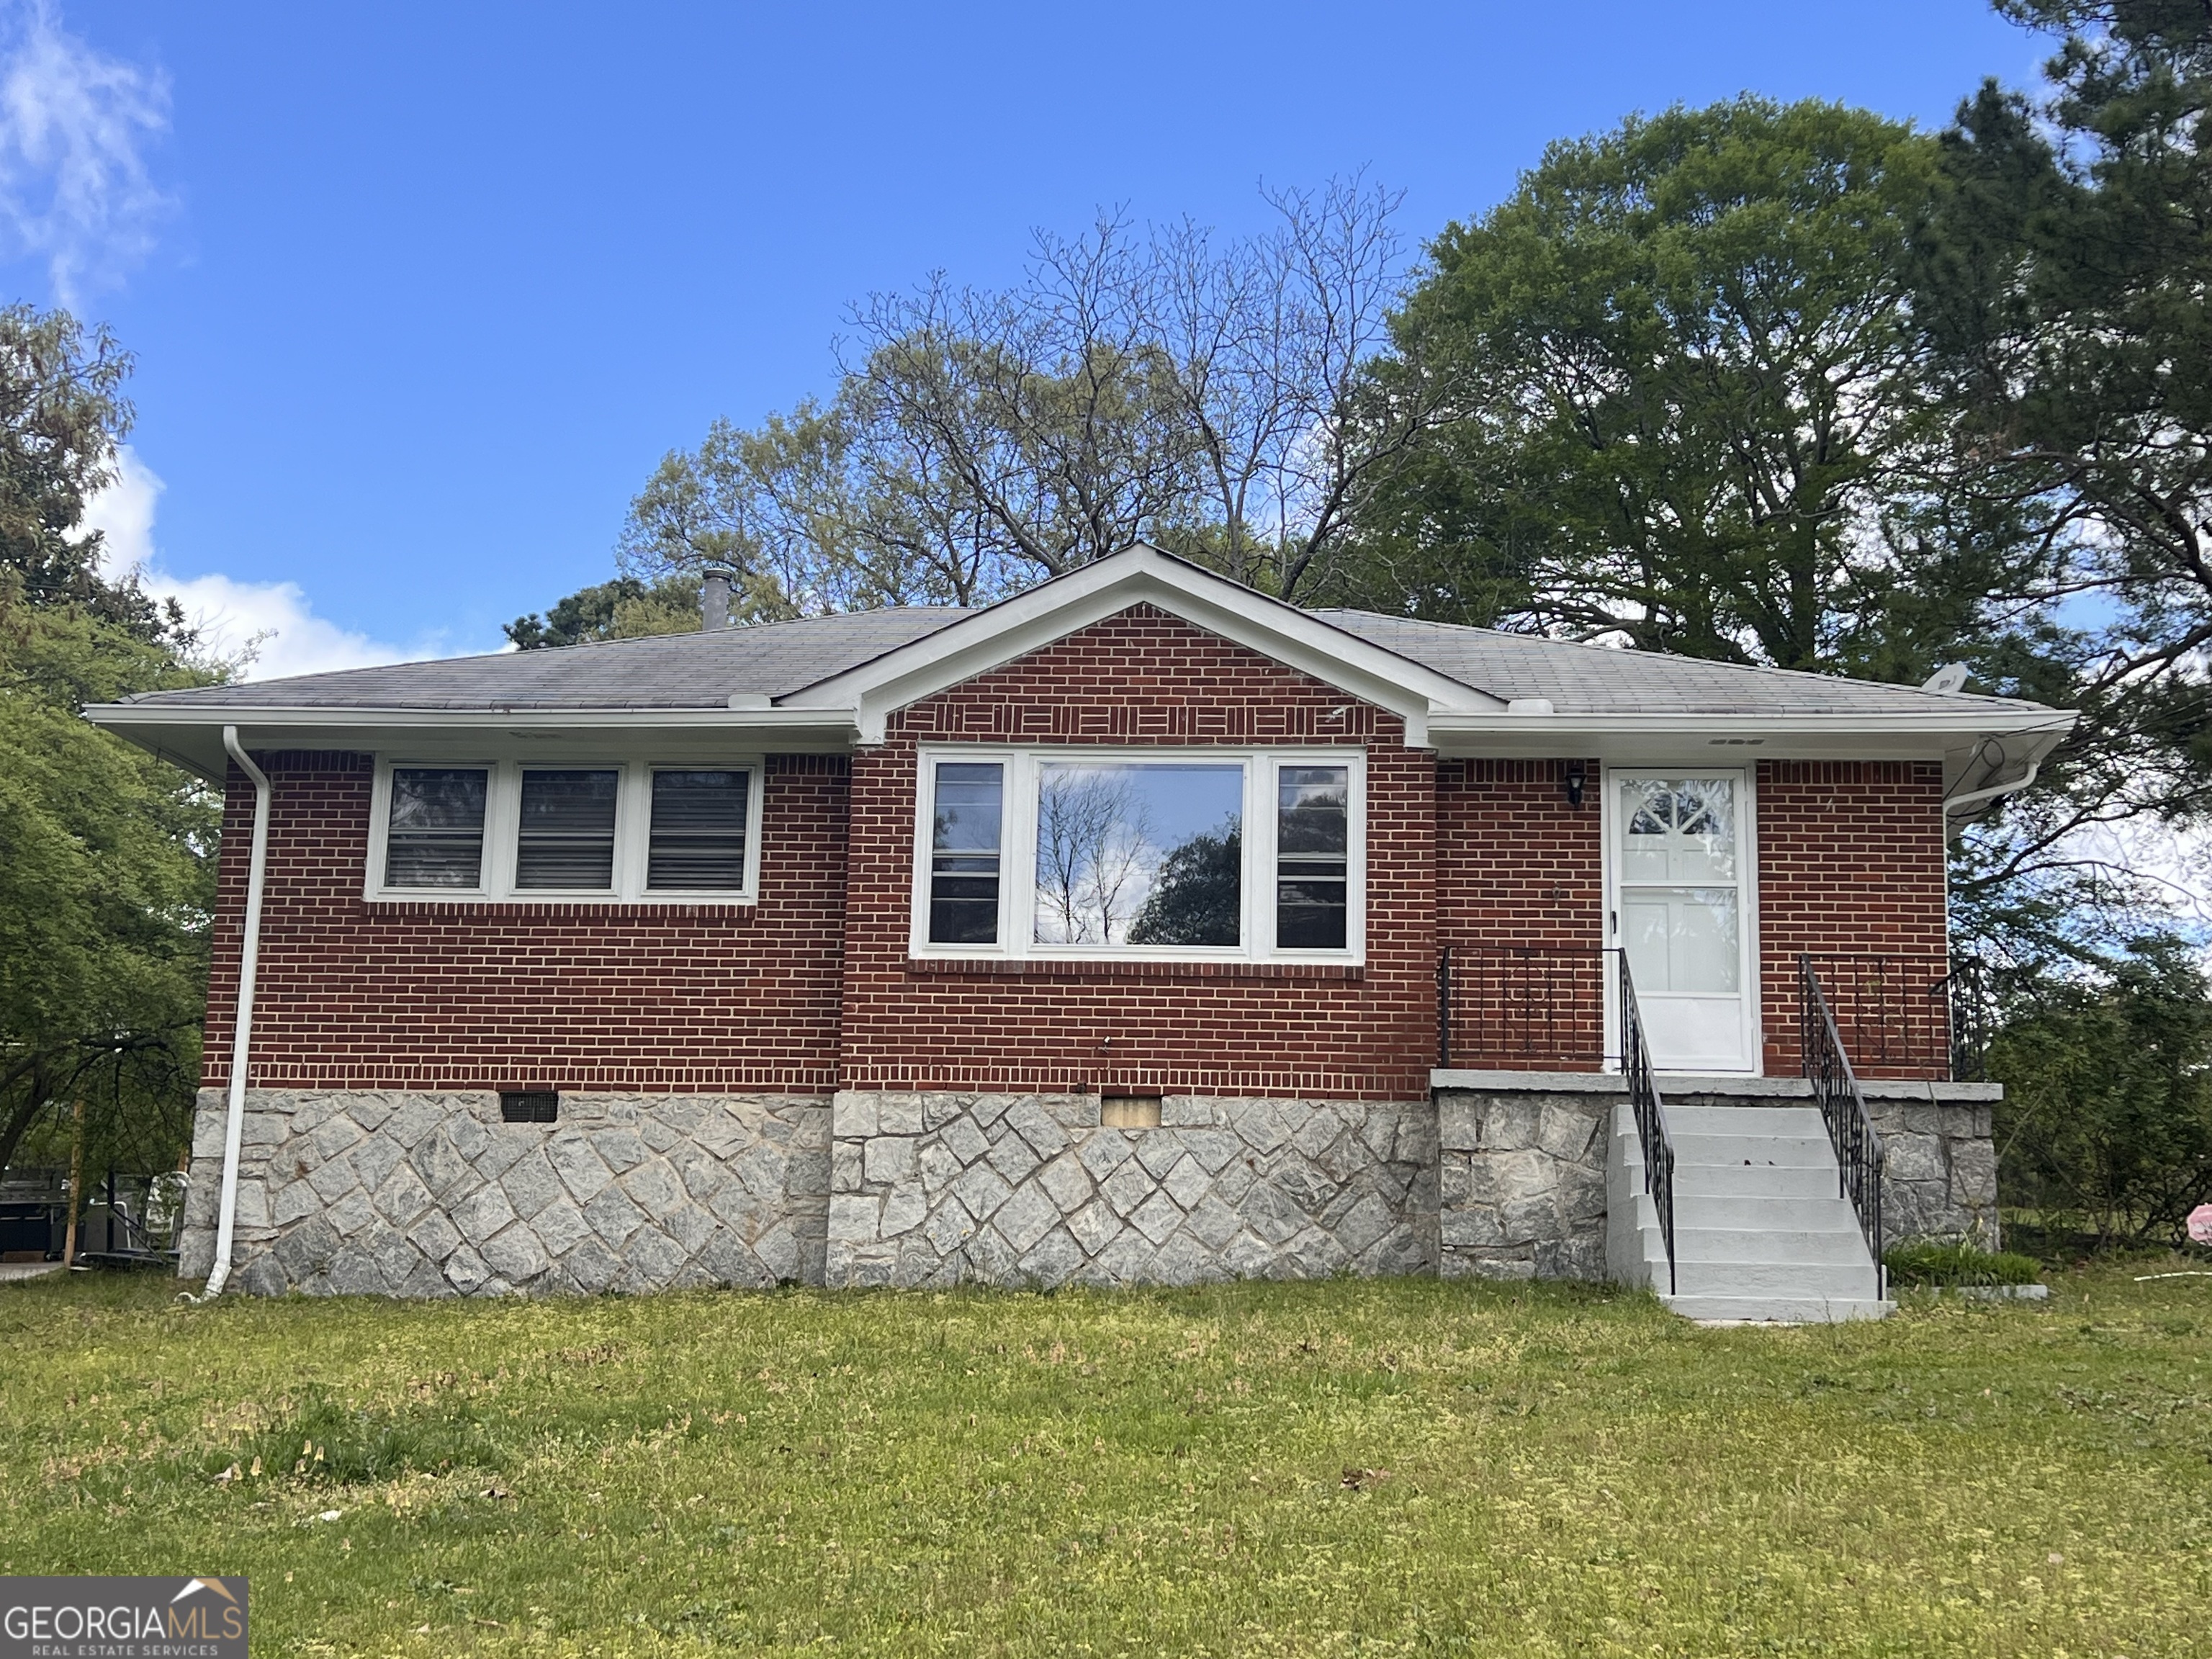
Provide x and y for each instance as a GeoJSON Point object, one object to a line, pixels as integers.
{"type": "Point", "coordinates": [1681, 908]}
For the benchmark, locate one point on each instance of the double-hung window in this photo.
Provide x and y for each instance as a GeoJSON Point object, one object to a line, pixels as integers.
{"type": "Point", "coordinates": [1214, 854]}
{"type": "Point", "coordinates": [638, 832]}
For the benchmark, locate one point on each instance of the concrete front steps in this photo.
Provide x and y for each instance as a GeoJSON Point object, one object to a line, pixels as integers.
{"type": "Point", "coordinates": [1761, 1233]}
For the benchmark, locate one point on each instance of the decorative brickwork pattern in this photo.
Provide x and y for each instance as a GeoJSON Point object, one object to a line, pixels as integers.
{"type": "Point", "coordinates": [388, 1192]}
{"type": "Point", "coordinates": [456, 995]}
{"type": "Point", "coordinates": [1850, 860]}
{"type": "Point", "coordinates": [937, 1188]}
{"type": "Point", "coordinates": [1145, 678]}
{"type": "Point", "coordinates": [1521, 1186]}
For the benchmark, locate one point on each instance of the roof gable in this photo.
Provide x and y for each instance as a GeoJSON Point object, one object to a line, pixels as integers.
{"type": "Point", "coordinates": [1142, 574]}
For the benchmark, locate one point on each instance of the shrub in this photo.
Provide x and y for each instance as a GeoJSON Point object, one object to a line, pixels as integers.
{"type": "Point", "coordinates": [1929, 1263]}
{"type": "Point", "coordinates": [2106, 1123]}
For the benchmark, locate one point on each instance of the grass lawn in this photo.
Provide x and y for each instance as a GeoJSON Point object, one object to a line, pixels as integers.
{"type": "Point", "coordinates": [1404, 1466]}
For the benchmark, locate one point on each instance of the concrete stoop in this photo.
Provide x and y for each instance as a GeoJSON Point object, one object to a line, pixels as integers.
{"type": "Point", "coordinates": [1761, 1232]}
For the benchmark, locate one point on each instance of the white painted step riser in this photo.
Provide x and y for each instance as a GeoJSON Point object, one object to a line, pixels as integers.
{"type": "Point", "coordinates": [1762, 1278]}
{"type": "Point", "coordinates": [1783, 1310]}
{"type": "Point", "coordinates": [1827, 1213]}
{"type": "Point", "coordinates": [1780, 1250]}
{"type": "Point", "coordinates": [1750, 1181]}
{"type": "Point", "coordinates": [1755, 1150]}
{"type": "Point", "coordinates": [1790, 1121]}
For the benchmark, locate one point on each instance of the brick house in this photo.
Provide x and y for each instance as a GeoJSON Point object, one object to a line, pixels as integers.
{"type": "Point", "coordinates": [1137, 929]}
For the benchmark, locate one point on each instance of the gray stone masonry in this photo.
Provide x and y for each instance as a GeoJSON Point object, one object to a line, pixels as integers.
{"type": "Point", "coordinates": [1503, 1177]}
{"type": "Point", "coordinates": [1522, 1183]}
{"type": "Point", "coordinates": [1939, 1173]}
{"type": "Point", "coordinates": [1521, 1192]}
{"type": "Point", "coordinates": [389, 1192]}
{"type": "Point", "coordinates": [940, 1189]}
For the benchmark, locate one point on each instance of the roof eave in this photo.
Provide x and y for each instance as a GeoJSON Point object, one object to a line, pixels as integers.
{"type": "Point", "coordinates": [190, 735]}
{"type": "Point", "coordinates": [2033, 732]}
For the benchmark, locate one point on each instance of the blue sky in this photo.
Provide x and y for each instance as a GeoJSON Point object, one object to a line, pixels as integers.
{"type": "Point", "coordinates": [420, 294]}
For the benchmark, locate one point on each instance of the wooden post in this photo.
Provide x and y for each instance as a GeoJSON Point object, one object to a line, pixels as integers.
{"type": "Point", "coordinates": [76, 1186]}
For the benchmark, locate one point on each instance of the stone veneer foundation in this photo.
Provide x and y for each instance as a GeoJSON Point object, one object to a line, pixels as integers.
{"type": "Point", "coordinates": [386, 1192]}
{"type": "Point", "coordinates": [1500, 1176]}
{"type": "Point", "coordinates": [1032, 1189]}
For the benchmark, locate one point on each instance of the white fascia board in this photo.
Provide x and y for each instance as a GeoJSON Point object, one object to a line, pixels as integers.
{"type": "Point", "coordinates": [1031, 621]}
{"type": "Point", "coordinates": [192, 736]}
{"type": "Point", "coordinates": [1936, 732]}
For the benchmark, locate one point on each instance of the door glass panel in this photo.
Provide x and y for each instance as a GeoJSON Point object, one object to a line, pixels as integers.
{"type": "Point", "coordinates": [1678, 829]}
{"type": "Point", "coordinates": [1682, 940]}
{"type": "Point", "coordinates": [1139, 853]}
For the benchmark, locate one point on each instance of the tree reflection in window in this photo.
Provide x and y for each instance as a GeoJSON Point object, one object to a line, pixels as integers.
{"type": "Point", "coordinates": [1139, 853]}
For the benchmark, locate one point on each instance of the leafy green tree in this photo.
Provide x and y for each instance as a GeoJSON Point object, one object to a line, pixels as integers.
{"type": "Point", "coordinates": [1212, 395]}
{"type": "Point", "coordinates": [1687, 405]}
{"type": "Point", "coordinates": [623, 608]}
{"type": "Point", "coordinates": [2106, 1123]}
{"type": "Point", "coordinates": [105, 892]}
{"type": "Point", "coordinates": [2066, 286]}
{"type": "Point", "coordinates": [106, 854]}
{"type": "Point", "coordinates": [1197, 899]}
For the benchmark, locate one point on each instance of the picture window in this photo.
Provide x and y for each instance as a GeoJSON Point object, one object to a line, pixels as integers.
{"type": "Point", "coordinates": [1219, 854]}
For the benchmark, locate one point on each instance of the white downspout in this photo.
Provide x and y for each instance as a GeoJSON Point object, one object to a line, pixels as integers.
{"type": "Point", "coordinates": [249, 959]}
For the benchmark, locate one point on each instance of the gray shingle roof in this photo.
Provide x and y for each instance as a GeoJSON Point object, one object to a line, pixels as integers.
{"type": "Point", "coordinates": [670, 670]}
{"type": "Point", "coordinates": [703, 670]}
{"type": "Point", "coordinates": [1596, 680]}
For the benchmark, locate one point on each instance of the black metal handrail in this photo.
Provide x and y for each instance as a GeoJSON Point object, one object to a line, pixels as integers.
{"type": "Point", "coordinates": [1859, 1154]}
{"type": "Point", "coordinates": [1650, 1114]}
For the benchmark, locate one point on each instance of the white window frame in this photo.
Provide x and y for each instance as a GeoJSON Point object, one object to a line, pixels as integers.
{"type": "Point", "coordinates": [503, 821]}
{"type": "Point", "coordinates": [1018, 852]}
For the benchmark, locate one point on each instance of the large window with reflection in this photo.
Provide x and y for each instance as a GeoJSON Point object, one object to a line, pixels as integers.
{"type": "Point", "coordinates": [1212, 854]}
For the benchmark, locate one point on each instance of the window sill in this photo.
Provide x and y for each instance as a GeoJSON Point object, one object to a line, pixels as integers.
{"type": "Point", "coordinates": [1069, 967]}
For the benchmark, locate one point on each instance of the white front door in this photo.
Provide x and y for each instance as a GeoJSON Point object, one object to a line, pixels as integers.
{"type": "Point", "coordinates": [1680, 907]}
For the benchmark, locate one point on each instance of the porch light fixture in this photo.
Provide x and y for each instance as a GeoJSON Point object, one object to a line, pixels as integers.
{"type": "Point", "coordinates": [1576, 777]}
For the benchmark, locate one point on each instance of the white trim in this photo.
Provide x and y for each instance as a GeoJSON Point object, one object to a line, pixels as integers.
{"type": "Point", "coordinates": [502, 823]}
{"type": "Point", "coordinates": [1141, 574]}
{"type": "Point", "coordinates": [1750, 988]}
{"type": "Point", "coordinates": [1018, 852]}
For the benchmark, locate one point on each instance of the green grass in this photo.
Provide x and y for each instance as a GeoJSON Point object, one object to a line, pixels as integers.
{"type": "Point", "coordinates": [1331, 1469]}
{"type": "Point", "coordinates": [1931, 1264]}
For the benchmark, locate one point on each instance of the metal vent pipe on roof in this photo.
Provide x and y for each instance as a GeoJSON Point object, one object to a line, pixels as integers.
{"type": "Point", "coordinates": [714, 599]}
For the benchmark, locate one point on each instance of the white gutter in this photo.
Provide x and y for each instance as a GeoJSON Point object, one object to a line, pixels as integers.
{"type": "Point", "coordinates": [249, 959]}
{"type": "Point", "coordinates": [1990, 792]}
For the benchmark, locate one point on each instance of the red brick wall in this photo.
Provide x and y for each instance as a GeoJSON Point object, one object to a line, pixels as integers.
{"type": "Point", "coordinates": [1851, 867]}
{"type": "Point", "coordinates": [1142, 678]}
{"type": "Point", "coordinates": [805, 992]}
{"type": "Point", "coordinates": [354, 995]}
{"type": "Point", "coordinates": [1520, 898]}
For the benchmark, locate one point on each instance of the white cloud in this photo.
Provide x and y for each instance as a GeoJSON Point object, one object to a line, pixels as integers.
{"type": "Point", "coordinates": [74, 187]}
{"type": "Point", "coordinates": [275, 620]}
